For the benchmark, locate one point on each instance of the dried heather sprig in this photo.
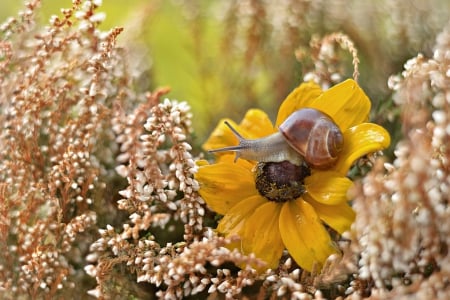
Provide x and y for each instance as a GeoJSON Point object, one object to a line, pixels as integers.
{"type": "Point", "coordinates": [328, 68]}
{"type": "Point", "coordinates": [61, 86]}
{"type": "Point", "coordinates": [159, 167]}
{"type": "Point", "coordinates": [402, 229]}
{"type": "Point", "coordinates": [165, 171]}
{"type": "Point", "coordinates": [56, 92]}
{"type": "Point", "coordinates": [188, 273]}
{"type": "Point", "coordinates": [182, 166]}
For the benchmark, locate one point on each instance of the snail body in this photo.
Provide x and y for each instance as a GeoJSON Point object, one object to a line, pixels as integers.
{"type": "Point", "coordinates": [306, 135]}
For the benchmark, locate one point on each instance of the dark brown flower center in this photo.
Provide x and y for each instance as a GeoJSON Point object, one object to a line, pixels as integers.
{"type": "Point", "coordinates": [281, 181]}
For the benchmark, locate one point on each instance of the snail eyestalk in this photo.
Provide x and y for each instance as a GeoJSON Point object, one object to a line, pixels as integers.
{"type": "Point", "coordinates": [236, 133]}
{"type": "Point", "coordinates": [231, 148]}
{"type": "Point", "coordinates": [237, 148]}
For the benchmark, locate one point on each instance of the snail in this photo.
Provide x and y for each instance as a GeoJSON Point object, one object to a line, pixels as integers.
{"type": "Point", "coordinates": [306, 135]}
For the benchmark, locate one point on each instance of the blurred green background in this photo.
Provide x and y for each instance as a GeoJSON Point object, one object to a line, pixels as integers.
{"type": "Point", "coordinates": [224, 57]}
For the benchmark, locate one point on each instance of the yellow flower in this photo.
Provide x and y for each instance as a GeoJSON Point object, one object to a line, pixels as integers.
{"type": "Point", "coordinates": [245, 192]}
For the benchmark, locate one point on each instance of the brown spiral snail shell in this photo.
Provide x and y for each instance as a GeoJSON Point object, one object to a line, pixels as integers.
{"type": "Point", "coordinates": [306, 135]}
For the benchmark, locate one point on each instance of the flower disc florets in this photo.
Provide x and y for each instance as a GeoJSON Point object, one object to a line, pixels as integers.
{"type": "Point", "coordinates": [281, 181]}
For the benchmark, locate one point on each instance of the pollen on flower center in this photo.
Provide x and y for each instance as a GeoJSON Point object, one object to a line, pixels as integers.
{"type": "Point", "coordinates": [281, 181]}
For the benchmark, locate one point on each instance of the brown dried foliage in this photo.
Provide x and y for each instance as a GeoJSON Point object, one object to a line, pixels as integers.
{"type": "Point", "coordinates": [76, 134]}
{"type": "Point", "coordinates": [401, 234]}
{"type": "Point", "coordinates": [57, 86]}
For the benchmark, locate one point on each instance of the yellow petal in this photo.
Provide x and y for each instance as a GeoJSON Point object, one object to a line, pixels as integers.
{"type": "Point", "coordinates": [339, 217]}
{"type": "Point", "coordinates": [346, 103]}
{"type": "Point", "coordinates": [222, 185]}
{"type": "Point", "coordinates": [261, 234]}
{"type": "Point", "coordinates": [202, 162]}
{"type": "Point", "coordinates": [257, 123]}
{"type": "Point", "coordinates": [360, 140]}
{"type": "Point", "coordinates": [231, 159]}
{"type": "Point", "coordinates": [304, 236]}
{"type": "Point", "coordinates": [234, 219]}
{"type": "Point", "coordinates": [301, 97]}
{"type": "Point", "coordinates": [328, 187]}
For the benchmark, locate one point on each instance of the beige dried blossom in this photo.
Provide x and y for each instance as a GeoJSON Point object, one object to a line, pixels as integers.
{"type": "Point", "coordinates": [56, 93]}
{"type": "Point", "coordinates": [97, 188]}
{"type": "Point", "coordinates": [328, 67]}
{"type": "Point", "coordinates": [402, 231]}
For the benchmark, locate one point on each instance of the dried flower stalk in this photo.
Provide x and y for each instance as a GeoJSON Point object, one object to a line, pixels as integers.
{"type": "Point", "coordinates": [401, 232]}
{"type": "Point", "coordinates": [73, 123]}
{"type": "Point", "coordinates": [56, 90]}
